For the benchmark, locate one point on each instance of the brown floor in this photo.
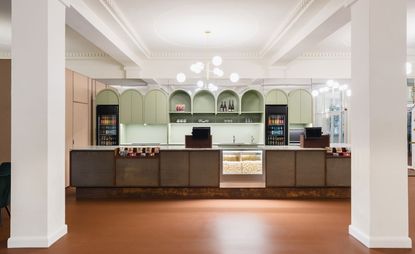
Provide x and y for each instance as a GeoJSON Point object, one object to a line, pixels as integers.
{"type": "Point", "coordinates": [208, 226]}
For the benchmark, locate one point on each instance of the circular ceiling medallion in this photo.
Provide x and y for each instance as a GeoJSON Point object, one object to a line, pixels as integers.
{"type": "Point", "coordinates": [206, 25]}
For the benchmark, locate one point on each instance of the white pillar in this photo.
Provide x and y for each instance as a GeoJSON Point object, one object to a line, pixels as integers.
{"type": "Point", "coordinates": [378, 119]}
{"type": "Point", "coordinates": [38, 123]}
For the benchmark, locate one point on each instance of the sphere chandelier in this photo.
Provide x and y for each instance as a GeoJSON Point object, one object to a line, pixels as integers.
{"type": "Point", "coordinates": [209, 69]}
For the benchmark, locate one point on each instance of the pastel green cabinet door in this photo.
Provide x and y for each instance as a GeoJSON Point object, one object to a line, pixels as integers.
{"type": "Point", "coordinates": [125, 107]}
{"type": "Point", "coordinates": [150, 101]}
{"type": "Point", "coordinates": [136, 108]}
{"type": "Point", "coordinates": [106, 97]}
{"type": "Point", "coordinates": [161, 106]}
{"type": "Point", "coordinates": [276, 96]}
{"type": "Point", "coordinates": [306, 107]}
{"type": "Point", "coordinates": [294, 107]}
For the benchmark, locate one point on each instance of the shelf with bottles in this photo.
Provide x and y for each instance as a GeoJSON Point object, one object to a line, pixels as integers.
{"type": "Point", "coordinates": [107, 120]}
{"type": "Point", "coordinates": [275, 140]}
{"type": "Point", "coordinates": [242, 163]}
{"type": "Point", "coordinates": [215, 118]}
{"type": "Point", "coordinates": [227, 102]}
{"type": "Point", "coordinates": [180, 102]}
{"type": "Point", "coordinates": [276, 120]}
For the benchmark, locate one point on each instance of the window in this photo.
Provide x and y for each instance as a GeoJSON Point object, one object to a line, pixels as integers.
{"type": "Point", "coordinates": [330, 107]}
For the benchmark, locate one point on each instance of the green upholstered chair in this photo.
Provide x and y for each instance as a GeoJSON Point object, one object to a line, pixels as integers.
{"type": "Point", "coordinates": [4, 187]}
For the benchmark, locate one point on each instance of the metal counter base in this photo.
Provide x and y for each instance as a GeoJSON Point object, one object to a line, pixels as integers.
{"type": "Point", "coordinates": [214, 193]}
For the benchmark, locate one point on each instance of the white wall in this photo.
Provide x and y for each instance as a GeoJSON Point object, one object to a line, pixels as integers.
{"type": "Point", "coordinates": [139, 133]}
{"type": "Point", "coordinates": [221, 133]}
{"type": "Point", "coordinates": [175, 133]}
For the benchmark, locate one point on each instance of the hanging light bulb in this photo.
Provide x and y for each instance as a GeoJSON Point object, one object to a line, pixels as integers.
{"type": "Point", "coordinates": [349, 92]}
{"type": "Point", "coordinates": [217, 60]}
{"type": "Point", "coordinates": [234, 77]}
{"type": "Point", "coordinates": [336, 85]}
{"type": "Point", "coordinates": [218, 72]}
{"type": "Point", "coordinates": [181, 77]}
{"type": "Point", "coordinates": [324, 89]}
{"type": "Point", "coordinates": [343, 87]}
{"type": "Point", "coordinates": [330, 83]}
{"type": "Point", "coordinates": [212, 87]}
{"type": "Point", "coordinates": [200, 83]}
{"type": "Point", "coordinates": [314, 93]}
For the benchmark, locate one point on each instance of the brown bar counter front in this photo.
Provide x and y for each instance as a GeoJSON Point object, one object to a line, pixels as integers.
{"type": "Point", "coordinates": [179, 172]}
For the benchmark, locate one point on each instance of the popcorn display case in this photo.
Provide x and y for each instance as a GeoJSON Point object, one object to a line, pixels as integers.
{"type": "Point", "coordinates": [242, 168]}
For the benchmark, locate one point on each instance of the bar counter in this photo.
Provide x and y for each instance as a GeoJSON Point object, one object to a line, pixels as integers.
{"type": "Point", "coordinates": [179, 172]}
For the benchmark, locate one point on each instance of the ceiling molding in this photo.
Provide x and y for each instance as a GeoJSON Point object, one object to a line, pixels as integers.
{"type": "Point", "coordinates": [82, 19]}
{"type": "Point", "coordinates": [294, 15]}
{"type": "Point", "coordinates": [328, 20]}
{"type": "Point", "coordinates": [122, 21]}
{"type": "Point", "coordinates": [171, 55]}
{"type": "Point", "coordinates": [346, 54]}
{"type": "Point", "coordinates": [86, 55]}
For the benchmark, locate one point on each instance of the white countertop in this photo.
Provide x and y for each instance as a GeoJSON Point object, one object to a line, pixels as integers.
{"type": "Point", "coordinates": [214, 147]}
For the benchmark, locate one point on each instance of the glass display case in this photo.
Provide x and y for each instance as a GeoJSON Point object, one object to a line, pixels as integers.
{"type": "Point", "coordinates": [242, 168]}
{"type": "Point", "coordinates": [242, 163]}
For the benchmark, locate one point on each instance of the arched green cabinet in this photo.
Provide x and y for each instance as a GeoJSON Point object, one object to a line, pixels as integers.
{"type": "Point", "coordinates": [276, 97]}
{"type": "Point", "coordinates": [225, 97]}
{"type": "Point", "coordinates": [180, 97]}
{"type": "Point", "coordinates": [252, 101]}
{"type": "Point", "coordinates": [155, 107]}
{"type": "Point", "coordinates": [204, 102]}
{"type": "Point", "coordinates": [107, 97]}
{"type": "Point", "coordinates": [131, 107]}
{"type": "Point", "coordinates": [300, 107]}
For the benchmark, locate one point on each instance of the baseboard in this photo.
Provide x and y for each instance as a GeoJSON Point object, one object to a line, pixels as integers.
{"type": "Point", "coordinates": [37, 242]}
{"type": "Point", "coordinates": [380, 242]}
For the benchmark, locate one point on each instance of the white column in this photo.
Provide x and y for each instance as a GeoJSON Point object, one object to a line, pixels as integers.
{"type": "Point", "coordinates": [378, 119]}
{"type": "Point", "coordinates": [38, 123]}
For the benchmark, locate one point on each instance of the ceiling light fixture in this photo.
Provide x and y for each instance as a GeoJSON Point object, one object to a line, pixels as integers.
{"type": "Point", "coordinates": [198, 67]}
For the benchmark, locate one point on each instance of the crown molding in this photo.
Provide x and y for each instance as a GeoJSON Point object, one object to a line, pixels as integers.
{"type": "Point", "coordinates": [85, 55]}
{"type": "Point", "coordinates": [345, 54]}
{"type": "Point", "coordinates": [182, 55]}
{"type": "Point", "coordinates": [290, 20]}
{"type": "Point", "coordinates": [122, 21]}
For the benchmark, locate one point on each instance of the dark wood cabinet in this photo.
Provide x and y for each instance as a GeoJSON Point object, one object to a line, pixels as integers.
{"type": "Point", "coordinates": [310, 168]}
{"type": "Point", "coordinates": [92, 168]}
{"type": "Point", "coordinates": [280, 168]}
{"type": "Point", "coordinates": [204, 168]}
{"type": "Point", "coordinates": [143, 172]}
{"type": "Point", "coordinates": [174, 168]}
{"type": "Point", "coordinates": [338, 172]}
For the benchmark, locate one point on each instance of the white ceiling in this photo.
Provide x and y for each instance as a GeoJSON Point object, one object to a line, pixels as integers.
{"type": "Point", "coordinates": [340, 41]}
{"type": "Point", "coordinates": [164, 28]}
{"type": "Point", "coordinates": [243, 25]}
{"type": "Point", "coordinates": [75, 43]}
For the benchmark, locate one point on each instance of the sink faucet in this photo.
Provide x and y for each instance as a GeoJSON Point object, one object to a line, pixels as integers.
{"type": "Point", "coordinates": [233, 139]}
{"type": "Point", "coordinates": [252, 139]}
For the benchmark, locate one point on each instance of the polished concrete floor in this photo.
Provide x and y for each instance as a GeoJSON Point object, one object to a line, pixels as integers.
{"type": "Point", "coordinates": [208, 226]}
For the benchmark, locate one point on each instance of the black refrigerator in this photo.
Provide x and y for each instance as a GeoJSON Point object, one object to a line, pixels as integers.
{"type": "Point", "coordinates": [107, 131]}
{"type": "Point", "coordinates": [276, 125]}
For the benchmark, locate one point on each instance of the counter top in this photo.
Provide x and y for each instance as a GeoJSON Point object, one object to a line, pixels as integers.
{"type": "Point", "coordinates": [214, 147]}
